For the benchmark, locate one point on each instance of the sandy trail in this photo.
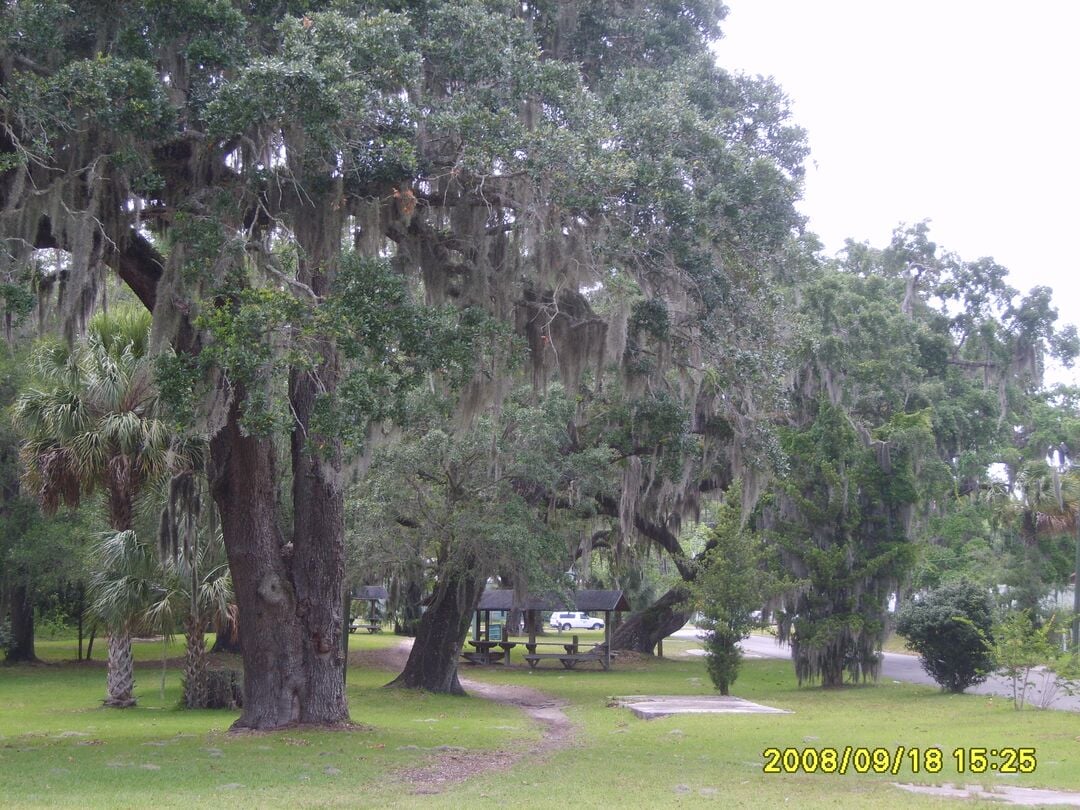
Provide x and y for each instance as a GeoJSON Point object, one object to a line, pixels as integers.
{"type": "Point", "coordinates": [452, 766]}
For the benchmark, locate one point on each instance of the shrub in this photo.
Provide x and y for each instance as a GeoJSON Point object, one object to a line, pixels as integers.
{"type": "Point", "coordinates": [1020, 646]}
{"type": "Point", "coordinates": [224, 689]}
{"type": "Point", "coordinates": [52, 623]}
{"type": "Point", "coordinates": [723, 658]}
{"type": "Point", "coordinates": [950, 629]}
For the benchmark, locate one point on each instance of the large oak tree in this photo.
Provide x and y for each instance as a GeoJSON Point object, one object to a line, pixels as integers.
{"type": "Point", "coordinates": [284, 184]}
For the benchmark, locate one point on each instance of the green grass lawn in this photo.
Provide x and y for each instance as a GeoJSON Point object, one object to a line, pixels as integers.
{"type": "Point", "coordinates": [59, 747]}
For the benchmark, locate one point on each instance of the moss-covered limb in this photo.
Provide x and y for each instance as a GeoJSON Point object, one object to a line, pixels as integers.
{"type": "Point", "coordinates": [140, 266]}
{"type": "Point", "coordinates": [655, 532]}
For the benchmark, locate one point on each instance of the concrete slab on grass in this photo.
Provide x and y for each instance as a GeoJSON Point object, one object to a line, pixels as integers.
{"type": "Point", "coordinates": [1010, 794]}
{"type": "Point", "coordinates": [649, 707]}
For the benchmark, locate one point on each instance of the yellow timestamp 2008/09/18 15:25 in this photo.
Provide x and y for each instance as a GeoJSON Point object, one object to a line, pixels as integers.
{"type": "Point", "coordinates": [895, 760]}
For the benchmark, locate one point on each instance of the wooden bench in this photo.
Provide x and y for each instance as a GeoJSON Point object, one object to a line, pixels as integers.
{"type": "Point", "coordinates": [483, 658]}
{"type": "Point", "coordinates": [571, 649]}
{"type": "Point", "coordinates": [489, 652]}
{"type": "Point", "coordinates": [567, 659]}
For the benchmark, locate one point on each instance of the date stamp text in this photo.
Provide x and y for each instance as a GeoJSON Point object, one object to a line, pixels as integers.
{"type": "Point", "coordinates": [900, 759]}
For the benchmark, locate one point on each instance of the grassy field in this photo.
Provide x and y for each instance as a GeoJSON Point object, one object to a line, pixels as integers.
{"type": "Point", "coordinates": [59, 747]}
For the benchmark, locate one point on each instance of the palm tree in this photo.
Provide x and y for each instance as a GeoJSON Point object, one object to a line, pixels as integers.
{"type": "Point", "coordinates": [196, 580]}
{"type": "Point", "coordinates": [1049, 500]}
{"type": "Point", "coordinates": [88, 424]}
{"type": "Point", "coordinates": [125, 582]}
{"type": "Point", "coordinates": [1049, 508]}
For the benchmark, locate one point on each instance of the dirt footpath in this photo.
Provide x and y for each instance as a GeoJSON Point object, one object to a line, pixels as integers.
{"type": "Point", "coordinates": [452, 766]}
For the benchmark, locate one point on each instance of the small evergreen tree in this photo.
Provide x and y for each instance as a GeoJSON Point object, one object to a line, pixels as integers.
{"type": "Point", "coordinates": [734, 583]}
{"type": "Point", "coordinates": [951, 630]}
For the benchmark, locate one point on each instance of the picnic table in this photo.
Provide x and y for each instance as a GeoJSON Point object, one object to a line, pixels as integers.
{"type": "Point", "coordinates": [570, 657]}
{"type": "Point", "coordinates": [369, 619]}
{"type": "Point", "coordinates": [371, 627]}
{"type": "Point", "coordinates": [485, 651]}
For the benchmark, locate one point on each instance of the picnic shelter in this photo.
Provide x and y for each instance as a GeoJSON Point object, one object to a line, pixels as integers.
{"type": "Point", "coordinates": [505, 599]}
{"type": "Point", "coordinates": [372, 594]}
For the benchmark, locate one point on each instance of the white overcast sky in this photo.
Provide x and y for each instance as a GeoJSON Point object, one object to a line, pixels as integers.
{"type": "Point", "coordinates": [963, 112]}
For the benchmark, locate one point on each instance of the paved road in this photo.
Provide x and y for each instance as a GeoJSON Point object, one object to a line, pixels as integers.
{"type": "Point", "coordinates": [900, 667]}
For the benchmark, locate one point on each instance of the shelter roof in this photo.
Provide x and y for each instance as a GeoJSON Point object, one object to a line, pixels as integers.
{"type": "Point", "coordinates": [601, 600]}
{"type": "Point", "coordinates": [370, 592]}
{"type": "Point", "coordinates": [503, 599]}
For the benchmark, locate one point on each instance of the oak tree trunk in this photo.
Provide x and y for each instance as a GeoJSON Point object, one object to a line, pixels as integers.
{"type": "Point", "coordinates": [643, 630]}
{"type": "Point", "coordinates": [318, 564]}
{"type": "Point", "coordinates": [409, 595]}
{"type": "Point", "coordinates": [243, 484]}
{"type": "Point", "coordinates": [433, 661]}
{"type": "Point", "coordinates": [22, 626]}
{"type": "Point", "coordinates": [318, 560]}
{"type": "Point", "coordinates": [830, 663]}
{"type": "Point", "coordinates": [513, 622]}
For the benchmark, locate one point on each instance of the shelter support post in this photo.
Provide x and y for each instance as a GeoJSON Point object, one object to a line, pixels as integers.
{"type": "Point", "coordinates": [607, 639]}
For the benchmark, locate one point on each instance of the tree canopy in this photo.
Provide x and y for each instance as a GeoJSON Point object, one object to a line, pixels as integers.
{"type": "Point", "coordinates": [579, 173]}
{"type": "Point", "coordinates": [335, 209]}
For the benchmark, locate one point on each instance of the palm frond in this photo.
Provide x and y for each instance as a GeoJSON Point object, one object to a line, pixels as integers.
{"type": "Point", "coordinates": [89, 453]}
{"type": "Point", "coordinates": [126, 579]}
{"type": "Point", "coordinates": [215, 594]}
{"type": "Point", "coordinates": [122, 329]}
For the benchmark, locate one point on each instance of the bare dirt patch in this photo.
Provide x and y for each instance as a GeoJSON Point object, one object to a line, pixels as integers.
{"type": "Point", "coordinates": [452, 766]}
{"type": "Point", "coordinates": [382, 658]}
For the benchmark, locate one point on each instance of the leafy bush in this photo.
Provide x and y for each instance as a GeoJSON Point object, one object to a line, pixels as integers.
{"type": "Point", "coordinates": [5, 635]}
{"type": "Point", "coordinates": [52, 623]}
{"type": "Point", "coordinates": [1066, 671]}
{"type": "Point", "coordinates": [723, 658]}
{"type": "Point", "coordinates": [1020, 646]}
{"type": "Point", "coordinates": [951, 630]}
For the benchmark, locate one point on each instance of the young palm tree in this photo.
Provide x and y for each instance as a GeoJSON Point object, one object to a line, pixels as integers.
{"type": "Point", "coordinates": [88, 424]}
{"type": "Point", "coordinates": [124, 584]}
{"type": "Point", "coordinates": [197, 585]}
